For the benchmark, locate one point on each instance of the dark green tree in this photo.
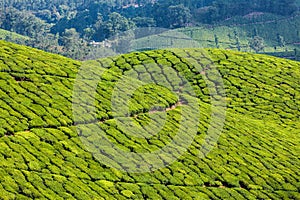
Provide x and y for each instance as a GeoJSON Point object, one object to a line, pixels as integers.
{"type": "Point", "coordinates": [174, 16]}
{"type": "Point", "coordinates": [216, 41]}
{"type": "Point", "coordinates": [237, 40]}
{"type": "Point", "coordinates": [296, 54]}
{"type": "Point", "coordinates": [69, 38]}
{"type": "Point", "coordinates": [116, 24]}
{"type": "Point", "coordinates": [280, 40]}
{"type": "Point", "coordinates": [255, 32]}
{"type": "Point", "coordinates": [88, 33]}
{"type": "Point", "coordinates": [178, 16]}
{"type": "Point", "coordinates": [238, 43]}
{"type": "Point", "coordinates": [144, 22]}
{"type": "Point", "coordinates": [257, 44]}
{"type": "Point", "coordinates": [73, 45]}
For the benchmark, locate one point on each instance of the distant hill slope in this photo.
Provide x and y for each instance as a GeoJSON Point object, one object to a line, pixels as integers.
{"type": "Point", "coordinates": [42, 155]}
{"type": "Point", "coordinates": [4, 34]}
{"type": "Point", "coordinates": [265, 25]}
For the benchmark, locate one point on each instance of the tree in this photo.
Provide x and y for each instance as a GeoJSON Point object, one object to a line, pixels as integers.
{"type": "Point", "coordinates": [88, 33]}
{"type": "Point", "coordinates": [144, 22]}
{"type": "Point", "coordinates": [255, 32]}
{"type": "Point", "coordinates": [237, 40]}
{"type": "Point", "coordinates": [22, 22]}
{"type": "Point", "coordinates": [175, 16]}
{"type": "Point", "coordinates": [257, 44]}
{"type": "Point", "coordinates": [296, 54]}
{"type": "Point", "coordinates": [69, 37]}
{"type": "Point", "coordinates": [98, 33]}
{"type": "Point", "coordinates": [238, 43]}
{"type": "Point", "coordinates": [178, 16]}
{"type": "Point", "coordinates": [74, 47]}
{"type": "Point", "coordinates": [99, 21]}
{"type": "Point", "coordinates": [116, 24]}
{"type": "Point", "coordinates": [280, 40]}
{"type": "Point", "coordinates": [208, 14]}
{"type": "Point", "coordinates": [216, 41]}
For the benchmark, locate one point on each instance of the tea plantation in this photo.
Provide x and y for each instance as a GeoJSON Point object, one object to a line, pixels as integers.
{"type": "Point", "coordinates": [236, 33]}
{"type": "Point", "coordinates": [43, 155]}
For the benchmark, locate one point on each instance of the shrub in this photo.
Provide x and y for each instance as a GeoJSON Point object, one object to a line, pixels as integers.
{"type": "Point", "coordinates": [127, 193]}
{"type": "Point", "coordinates": [37, 122]}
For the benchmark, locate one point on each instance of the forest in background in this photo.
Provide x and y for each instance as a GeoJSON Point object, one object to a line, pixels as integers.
{"type": "Point", "coordinates": [68, 27]}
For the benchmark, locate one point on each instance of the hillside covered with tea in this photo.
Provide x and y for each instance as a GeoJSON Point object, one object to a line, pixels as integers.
{"type": "Point", "coordinates": [43, 151]}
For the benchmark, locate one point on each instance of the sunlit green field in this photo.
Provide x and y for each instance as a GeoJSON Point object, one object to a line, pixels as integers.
{"type": "Point", "coordinates": [42, 154]}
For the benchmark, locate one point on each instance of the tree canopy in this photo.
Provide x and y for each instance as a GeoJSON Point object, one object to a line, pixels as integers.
{"type": "Point", "coordinates": [47, 21]}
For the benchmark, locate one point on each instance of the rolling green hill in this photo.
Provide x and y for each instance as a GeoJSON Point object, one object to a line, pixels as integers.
{"type": "Point", "coordinates": [44, 149]}
{"type": "Point", "coordinates": [244, 28]}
